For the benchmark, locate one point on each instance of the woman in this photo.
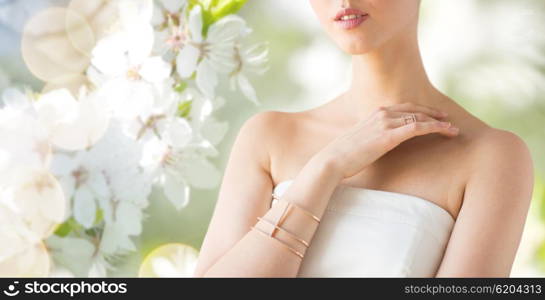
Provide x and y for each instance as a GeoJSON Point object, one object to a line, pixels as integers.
{"type": "Point", "coordinates": [391, 178]}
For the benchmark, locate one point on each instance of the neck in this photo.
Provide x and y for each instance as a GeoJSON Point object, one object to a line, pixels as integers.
{"type": "Point", "coordinates": [390, 75]}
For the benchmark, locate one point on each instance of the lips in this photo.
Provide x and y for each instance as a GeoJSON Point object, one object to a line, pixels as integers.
{"type": "Point", "coordinates": [350, 18]}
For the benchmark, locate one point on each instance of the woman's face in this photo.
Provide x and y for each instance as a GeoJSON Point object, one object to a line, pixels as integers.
{"type": "Point", "coordinates": [371, 24]}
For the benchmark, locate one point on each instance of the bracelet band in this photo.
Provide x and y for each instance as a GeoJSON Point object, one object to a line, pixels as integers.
{"type": "Point", "coordinates": [299, 254]}
{"type": "Point", "coordinates": [280, 220]}
{"type": "Point", "coordinates": [315, 218]}
{"type": "Point", "coordinates": [289, 233]}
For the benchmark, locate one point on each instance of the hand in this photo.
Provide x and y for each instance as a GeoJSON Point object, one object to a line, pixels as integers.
{"type": "Point", "coordinates": [380, 132]}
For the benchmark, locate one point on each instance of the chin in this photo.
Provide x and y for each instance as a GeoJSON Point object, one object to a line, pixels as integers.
{"type": "Point", "coordinates": [357, 48]}
{"type": "Point", "coordinates": [356, 44]}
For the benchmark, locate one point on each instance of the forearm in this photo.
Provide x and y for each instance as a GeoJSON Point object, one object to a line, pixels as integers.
{"type": "Point", "coordinates": [258, 255]}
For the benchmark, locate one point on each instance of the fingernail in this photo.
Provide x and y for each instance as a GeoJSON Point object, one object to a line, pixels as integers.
{"type": "Point", "coordinates": [445, 124]}
{"type": "Point", "coordinates": [454, 129]}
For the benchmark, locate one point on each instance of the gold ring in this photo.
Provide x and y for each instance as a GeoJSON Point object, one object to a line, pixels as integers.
{"type": "Point", "coordinates": [409, 118]}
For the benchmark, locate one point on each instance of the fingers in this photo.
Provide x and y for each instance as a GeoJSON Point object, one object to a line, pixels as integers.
{"type": "Point", "coordinates": [413, 107]}
{"type": "Point", "coordinates": [428, 120]}
{"type": "Point", "coordinates": [410, 130]}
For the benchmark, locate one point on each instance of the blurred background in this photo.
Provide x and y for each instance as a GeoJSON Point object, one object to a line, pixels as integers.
{"type": "Point", "coordinates": [489, 55]}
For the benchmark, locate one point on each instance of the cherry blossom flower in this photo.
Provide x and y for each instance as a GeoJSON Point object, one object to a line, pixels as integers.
{"type": "Point", "coordinates": [171, 28]}
{"type": "Point", "coordinates": [211, 55]}
{"type": "Point", "coordinates": [249, 59]}
{"type": "Point", "coordinates": [122, 65]}
{"type": "Point", "coordinates": [76, 170]}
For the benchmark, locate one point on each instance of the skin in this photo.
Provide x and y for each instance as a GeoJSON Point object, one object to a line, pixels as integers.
{"type": "Point", "coordinates": [481, 175]}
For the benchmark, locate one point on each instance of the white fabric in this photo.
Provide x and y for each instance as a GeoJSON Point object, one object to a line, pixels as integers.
{"type": "Point", "coordinates": [375, 233]}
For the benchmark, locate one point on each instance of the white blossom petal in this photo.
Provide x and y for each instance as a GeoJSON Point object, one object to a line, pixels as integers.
{"type": "Point", "coordinates": [178, 133]}
{"type": "Point", "coordinates": [140, 41]}
{"type": "Point", "coordinates": [195, 24]}
{"type": "Point", "coordinates": [73, 253]}
{"type": "Point", "coordinates": [92, 120]}
{"type": "Point", "coordinates": [128, 99]}
{"type": "Point", "coordinates": [160, 45]}
{"type": "Point", "coordinates": [173, 6]}
{"type": "Point", "coordinates": [109, 55]}
{"type": "Point", "coordinates": [63, 164]}
{"type": "Point", "coordinates": [9, 236]}
{"type": "Point", "coordinates": [24, 145]}
{"type": "Point", "coordinates": [153, 152]}
{"type": "Point", "coordinates": [129, 218]}
{"type": "Point", "coordinates": [176, 191]}
{"type": "Point", "coordinates": [186, 62]}
{"type": "Point", "coordinates": [114, 240]}
{"type": "Point", "coordinates": [56, 107]}
{"type": "Point", "coordinates": [84, 207]}
{"type": "Point", "coordinates": [226, 30]}
{"type": "Point", "coordinates": [207, 79]}
{"type": "Point", "coordinates": [34, 261]}
{"type": "Point", "coordinates": [135, 11]}
{"type": "Point", "coordinates": [158, 17]}
{"type": "Point", "coordinates": [155, 70]}
{"type": "Point", "coordinates": [247, 88]}
{"type": "Point", "coordinates": [40, 202]}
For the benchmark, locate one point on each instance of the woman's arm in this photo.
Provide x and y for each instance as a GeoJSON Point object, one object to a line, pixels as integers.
{"type": "Point", "coordinates": [230, 248]}
{"type": "Point", "coordinates": [488, 229]}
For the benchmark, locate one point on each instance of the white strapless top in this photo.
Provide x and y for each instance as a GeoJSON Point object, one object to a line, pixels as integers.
{"type": "Point", "coordinates": [375, 233]}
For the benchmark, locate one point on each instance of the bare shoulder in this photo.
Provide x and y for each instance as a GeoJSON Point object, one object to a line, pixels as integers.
{"type": "Point", "coordinates": [493, 143]}
{"type": "Point", "coordinates": [484, 143]}
{"type": "Point", "coordinates": [502, 159]}
{"type": "Point", "coordinates": [266, 119]}
{"type": "Point", "coordinates": [261, 133]}
{"type": "Point", "coordinates": [269, 125]}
